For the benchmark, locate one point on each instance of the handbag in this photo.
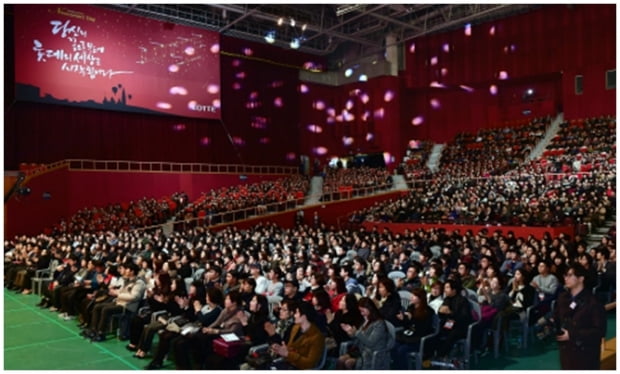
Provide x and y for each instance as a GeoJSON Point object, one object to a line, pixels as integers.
{"type": "Point", "coordinates": [488, 312]}
{"type": "Point", "coordinates": [407, 337]}
{"type": "Point", "coordinates": [259, 360]}
{"type": "Point", "coordinates": [227, 349]}
{"type": "Point", "coordinates": [177, 324]}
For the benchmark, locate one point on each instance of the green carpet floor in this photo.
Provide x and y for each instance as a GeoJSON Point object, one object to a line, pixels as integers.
{"type": "Point", "coordinates": [36, 339]}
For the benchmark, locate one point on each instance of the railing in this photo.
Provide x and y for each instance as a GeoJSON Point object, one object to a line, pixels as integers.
{"type": "Point", "coordinates": [224, 218]}
{"type": "Point", "coordinates": [178, 167]}
{"type": "Point", "coordinates": [36, 170]}
{"type": "Point", "coordinates": [32, 170]}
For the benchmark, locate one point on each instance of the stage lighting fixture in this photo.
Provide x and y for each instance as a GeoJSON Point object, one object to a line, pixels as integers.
{"type": "Point", "coordinates": [270, 37]}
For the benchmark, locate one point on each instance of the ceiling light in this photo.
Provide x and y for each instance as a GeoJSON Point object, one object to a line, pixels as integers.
{"type": "Point", "coordinates": [295, 43]}
{"type": "Point", "coordinates": [344, 9]}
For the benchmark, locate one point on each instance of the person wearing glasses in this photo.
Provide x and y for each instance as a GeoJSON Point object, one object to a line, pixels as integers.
{"type": "Point", "coordinates": [580, 322]}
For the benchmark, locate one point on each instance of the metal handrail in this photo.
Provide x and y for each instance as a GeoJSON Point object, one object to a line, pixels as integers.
{"type": "Point", "coordinates": [180, 167]}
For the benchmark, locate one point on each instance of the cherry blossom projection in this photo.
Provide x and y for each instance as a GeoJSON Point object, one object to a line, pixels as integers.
{"type": "Point", "coordinates": [417, 121]}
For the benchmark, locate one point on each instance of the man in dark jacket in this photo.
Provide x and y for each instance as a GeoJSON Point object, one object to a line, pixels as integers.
{"type": "Point", "coordinates": [455, 316]}
{"type": "Point", "coordinates": [581, 323]}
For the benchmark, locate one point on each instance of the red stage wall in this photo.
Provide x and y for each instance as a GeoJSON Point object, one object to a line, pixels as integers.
{"type": "Point", "coordinates": [519, 231]}
{"type": "Point", "coordinates": [73, 190]}
{"type": "Point", "coordinates": [556, 39]}
{"type": "Point", "coordinates": [461, 111]}
{"type": "Point", "coordinates": [478, 82]}
{"type": "Point", "coordinates": [351, 119]}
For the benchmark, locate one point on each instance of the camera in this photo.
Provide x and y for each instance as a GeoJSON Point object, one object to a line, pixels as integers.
{"type": "Point", "coordinates": [557, 328]}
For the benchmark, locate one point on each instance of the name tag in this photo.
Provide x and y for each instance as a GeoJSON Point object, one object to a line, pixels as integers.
{"type": "Point", "coordinates": [573, 305]}
{"type": "Point", "coordinates": [449, 324]}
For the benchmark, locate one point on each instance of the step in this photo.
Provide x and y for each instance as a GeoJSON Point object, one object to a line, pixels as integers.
{"type": "Point", "coordinates": [601, 230]}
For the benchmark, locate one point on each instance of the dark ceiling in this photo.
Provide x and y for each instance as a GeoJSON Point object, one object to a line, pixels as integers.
{"type": "Point", "coordinates": [329, 28]}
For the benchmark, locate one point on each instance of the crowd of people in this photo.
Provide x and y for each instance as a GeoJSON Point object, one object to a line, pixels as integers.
{"type": "Point", "coordinates": [307, 274]}
{"type": "Point", "coordinates": [231, 203]}
{"type": "Point", "coordinates": [549, 191]}
{"type": "Point", "coordinates": [490, 151]}
{"type": "Point", "coordinates": [517, 200]}
{"type": "Point", "coordinates": [414, 164]}
{"type": "Point", "coordinates": [122, 216]}
{"type": "Point", "coordinates": [339, 183]}
{"type": "Point", "coordinates": [307, 291]}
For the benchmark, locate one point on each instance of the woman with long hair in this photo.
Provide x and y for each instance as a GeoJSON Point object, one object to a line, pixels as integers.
{"type": "Point", "coordinates": [372, 336]}
{"type": "Point", "coordinates": [389, 300]}
{"type": "Point", "coordinates": [521, 295]}
{"type": "Point", "coordinates": [347, 313]}
{"type": "Point", "coordinates": [417, 322]}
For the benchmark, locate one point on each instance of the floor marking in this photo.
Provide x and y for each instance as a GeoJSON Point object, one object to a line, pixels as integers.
{"type": "Point", "coordinates": [73, 332]}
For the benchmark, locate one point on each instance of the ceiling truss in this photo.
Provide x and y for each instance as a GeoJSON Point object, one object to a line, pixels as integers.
{"type": "Point", "coordinates": [327, 25]}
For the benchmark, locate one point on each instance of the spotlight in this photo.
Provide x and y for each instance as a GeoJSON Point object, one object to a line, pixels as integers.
{"type": "Point", "coordinates": [295, 43]}
{"type": "Point", "coordinates": [24, 191]}
{"type": "Point", "coordinates": [270, 37]}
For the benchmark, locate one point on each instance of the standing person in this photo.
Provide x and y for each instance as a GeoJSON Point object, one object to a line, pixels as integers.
{"type": "Point", "coordinates": [581, 322]}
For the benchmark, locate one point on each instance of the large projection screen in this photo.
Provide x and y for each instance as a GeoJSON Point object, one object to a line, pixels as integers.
{"type": "Point", "coordinates": [89, 56]}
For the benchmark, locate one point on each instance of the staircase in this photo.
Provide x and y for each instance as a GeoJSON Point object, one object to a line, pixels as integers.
{"type": "Point", "coordinates": [552, 131]}
{"type": "Point", "coordinates": [316, 191]}
{"type": "Point", "coordinates": [399, 183]}
{"type": "Point", "coordinates": [594, 238]}
{"type": "Point", "coordinates": [435, 157]}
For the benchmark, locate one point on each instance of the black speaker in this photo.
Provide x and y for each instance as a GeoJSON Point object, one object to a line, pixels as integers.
{"type": "Point", "coordinates": [578, 84]}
